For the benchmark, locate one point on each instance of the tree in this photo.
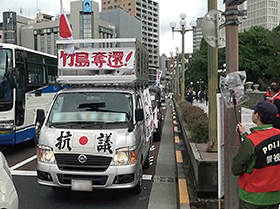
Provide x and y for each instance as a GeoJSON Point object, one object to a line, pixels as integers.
{"type": "Point", "coordinates": [256, 54]}
{"type": "Point", "coordinates": [259, 51]}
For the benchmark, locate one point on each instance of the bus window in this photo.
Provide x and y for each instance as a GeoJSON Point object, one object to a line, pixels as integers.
{"type": "Point", "coordinates": [52, 74]}
{"type": "Point", "coordinates": [36, 73]}
{"type": "Point", "coordinates": [5, 58]}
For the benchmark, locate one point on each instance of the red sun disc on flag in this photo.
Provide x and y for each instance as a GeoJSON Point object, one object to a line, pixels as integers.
{"type": "Point", "coordinates": [83, 140]}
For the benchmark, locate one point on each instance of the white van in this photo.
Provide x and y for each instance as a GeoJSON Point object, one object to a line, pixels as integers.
{"type": "Point", "coordinates": [95, 138]}
{"type": "Point", "coordinates": [98, 131]}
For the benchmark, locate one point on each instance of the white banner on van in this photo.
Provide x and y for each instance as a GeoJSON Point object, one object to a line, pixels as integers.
{"type": "Point", "coordinates": [97, 59]}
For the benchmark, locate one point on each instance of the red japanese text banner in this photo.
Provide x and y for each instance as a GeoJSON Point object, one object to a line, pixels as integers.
{"type": "Point", "coordinates": [97, 59]}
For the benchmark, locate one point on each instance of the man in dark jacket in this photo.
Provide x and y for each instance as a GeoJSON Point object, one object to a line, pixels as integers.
{"type": "Point", "coordinates": [257, 162]}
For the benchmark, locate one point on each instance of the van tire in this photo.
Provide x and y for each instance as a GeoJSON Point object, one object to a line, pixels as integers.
{"type": "Point", "coordinates": [57, 189]}
{"type": "Point", "coordinates": [138, 188]}
{"type": "Point", "coordinates": [157, 134]}
{"type": "Point", "coordinates": [146, 164]}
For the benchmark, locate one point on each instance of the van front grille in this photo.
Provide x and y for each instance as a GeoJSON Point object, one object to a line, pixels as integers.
{"type": "Point", "coordinates": [70, 162]}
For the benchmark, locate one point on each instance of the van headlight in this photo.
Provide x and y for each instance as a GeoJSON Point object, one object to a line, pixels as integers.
{"type": "Point", "coordinates": [45, 154]}
{"type": "Point", "coordinates": [124, 156]}
{"type": "Point", "coordinates": [6, 125]}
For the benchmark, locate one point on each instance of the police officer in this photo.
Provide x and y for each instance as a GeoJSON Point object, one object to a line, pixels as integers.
{"type": "Point", "coordinates": [257, 162]}
{"type": "Point", "coordinates": [275, 99]}
{"type": "Point", "coordinates": [268, 92]}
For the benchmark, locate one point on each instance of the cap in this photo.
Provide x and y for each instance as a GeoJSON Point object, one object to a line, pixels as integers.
{"type": "Point", "coordinates": [266, 109]}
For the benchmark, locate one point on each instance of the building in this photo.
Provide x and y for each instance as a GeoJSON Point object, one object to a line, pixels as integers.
{"type": "Point", "coordinates": [147, 11]}
{"type": "Point", "coordinates": [265, 13]}
{"type": "Point", "coordinates": [197, 34]}
{"type": "Point", "coordinates": [42, 32]}
{"type": "Point", "coordinates": [86, 21]}
{"type": "Point", "coordinates": [127, 26]}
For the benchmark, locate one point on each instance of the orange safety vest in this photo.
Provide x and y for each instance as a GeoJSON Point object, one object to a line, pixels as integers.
{"type": "Point", "coordinates": [265, 176]}
{"type": "Point", "coordinates": [276, 96]}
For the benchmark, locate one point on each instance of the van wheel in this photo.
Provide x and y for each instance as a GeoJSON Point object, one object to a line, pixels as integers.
{"type": "Point", "coordinates": [146, 164]}
{"type": "Point", "coordinates": [57, 189]}
{"type": "Point", "coordinates": [138, 188]}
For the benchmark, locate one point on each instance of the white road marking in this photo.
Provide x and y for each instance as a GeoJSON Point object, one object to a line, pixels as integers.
{"type": "Point", "coordinates": [24, 173]}
{"type": "Point", "coordinates": [147, 177]}
{"type": "Point", "coordinates": [23, 162]}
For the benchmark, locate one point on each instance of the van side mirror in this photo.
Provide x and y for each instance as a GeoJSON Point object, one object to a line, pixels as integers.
{"type": "Point", "coordinates": [139, 114]}
{"type": "Point", "coordinates": [38, 93]}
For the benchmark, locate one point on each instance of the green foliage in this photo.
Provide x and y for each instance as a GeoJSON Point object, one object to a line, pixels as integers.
{"type": "Point", "coordinates": [259, 51]}
{"type": "Point", "coordinates": [256, 55]}
{"type": "Point", "coordinates": [198, 67]}
{"type": "Point", "coordinates": [197, 122]}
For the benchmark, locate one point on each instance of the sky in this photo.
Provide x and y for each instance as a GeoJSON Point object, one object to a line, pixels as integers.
{"type": "Point", "coordinates": [169, 11]}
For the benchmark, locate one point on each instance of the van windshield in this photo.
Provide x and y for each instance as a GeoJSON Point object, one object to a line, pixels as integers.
{"type": "Point", "coordinates": [91, 107]}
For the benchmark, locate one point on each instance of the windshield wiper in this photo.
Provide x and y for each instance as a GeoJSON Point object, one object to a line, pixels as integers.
{"type": "Point", "coordinates": [87, 125]}
{"type": "Point", "coordinates": [69, 124]}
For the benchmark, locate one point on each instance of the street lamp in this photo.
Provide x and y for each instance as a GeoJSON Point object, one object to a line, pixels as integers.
{"type": "Point", "coordinates": [177, 71]}
{"type": "Point", "coordinates": [200, 82]}
{"type": "Point", "coordinates": [182, 30]}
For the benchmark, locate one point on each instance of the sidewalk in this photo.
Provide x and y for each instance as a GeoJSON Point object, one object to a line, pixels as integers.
{"type": "Point", "coordinates": [164, 189]}
{"type": "Point", "coordinates": [170, 189]}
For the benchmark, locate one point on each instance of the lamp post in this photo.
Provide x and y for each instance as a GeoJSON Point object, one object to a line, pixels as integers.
{"type": "Point", "coordinates": [177, 71]}
{"type": "Point", "coordinates": [200, 82]}
{"type": "Point", "coordinates": [182, 30]}
{"type": "Point", "coordinates": [172, 66]}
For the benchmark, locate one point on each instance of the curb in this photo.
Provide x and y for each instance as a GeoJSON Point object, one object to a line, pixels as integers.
{"type": "Point", "coordinates": [183, 194]}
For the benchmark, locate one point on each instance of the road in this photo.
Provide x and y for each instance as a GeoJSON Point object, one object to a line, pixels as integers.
{"type": "Point", "coordinates": [23, 165]}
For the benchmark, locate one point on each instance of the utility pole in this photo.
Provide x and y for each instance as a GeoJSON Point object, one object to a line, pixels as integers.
{"type": "Point", "coordinates": [212, 90]}
{"type": "Point", "coordinates": [231, 141]}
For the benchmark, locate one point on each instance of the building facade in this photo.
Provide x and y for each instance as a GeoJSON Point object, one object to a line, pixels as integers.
{"type": "Point", "coordinates": [42, 32]}
{"type": "Point", "coordinates": [265, 13]}
{"type": "Point", "coordinates": [197, 34]}
{"type": "Point", "coordinates": [127, 26]}
{"type": "Point", "coordinates": [147, 11]}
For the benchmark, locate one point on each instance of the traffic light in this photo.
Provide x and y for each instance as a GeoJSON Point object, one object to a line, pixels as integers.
{"type": "Point", "coordinates": [234, 2]}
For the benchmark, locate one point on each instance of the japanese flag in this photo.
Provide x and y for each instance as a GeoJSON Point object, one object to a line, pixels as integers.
{"type": "Point", "coordinates": [65, 31]}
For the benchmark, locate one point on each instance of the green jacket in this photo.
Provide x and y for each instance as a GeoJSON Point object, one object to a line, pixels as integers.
{"type": "Point", "coordinates": [244, 161]}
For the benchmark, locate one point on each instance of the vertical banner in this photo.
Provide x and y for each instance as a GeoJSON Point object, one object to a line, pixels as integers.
{"type": "Point", "coordinates": [221, 145]}
{"type": "Point", "coordinates": [159, 72]}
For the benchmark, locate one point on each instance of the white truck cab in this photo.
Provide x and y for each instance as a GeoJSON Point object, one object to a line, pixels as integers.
{"type": "Point", "coordinates": [99, 128]}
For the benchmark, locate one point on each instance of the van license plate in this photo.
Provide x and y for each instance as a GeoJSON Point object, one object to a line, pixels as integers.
{"type": "Point", "coordinates": [81, 185]}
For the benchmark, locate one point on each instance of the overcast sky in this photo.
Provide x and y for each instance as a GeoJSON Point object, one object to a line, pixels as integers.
{"type": "Point", "coordinates": [168, 11]}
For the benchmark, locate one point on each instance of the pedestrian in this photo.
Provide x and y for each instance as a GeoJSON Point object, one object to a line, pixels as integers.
{"type": "Point", "coordinates": [206, 97]}
{"type": "Point", "coordinates": [257, 162]}
{"type": "Point", "coordinates": [275, 99]}
{"type": "Point", "coordinates": [268, 92]}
